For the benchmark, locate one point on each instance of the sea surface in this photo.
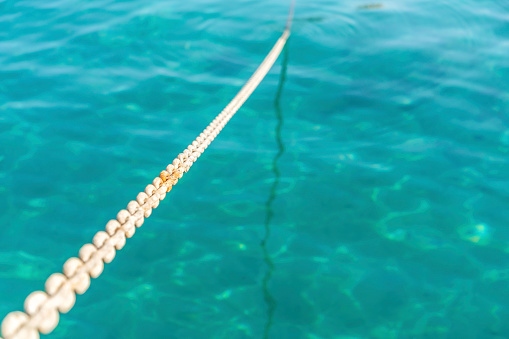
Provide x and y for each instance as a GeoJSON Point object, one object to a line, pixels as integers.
{"type": "Point", "coordinates": [361, 192]}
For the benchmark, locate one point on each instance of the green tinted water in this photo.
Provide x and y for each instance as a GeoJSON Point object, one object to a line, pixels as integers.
{"type": "Point", "coordinates": [369, 200]}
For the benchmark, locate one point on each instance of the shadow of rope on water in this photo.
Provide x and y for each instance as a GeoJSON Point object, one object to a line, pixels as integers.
{"type": "Point", "coordinates": [270, 301]}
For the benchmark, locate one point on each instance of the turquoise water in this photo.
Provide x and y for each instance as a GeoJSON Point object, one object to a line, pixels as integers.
{"type": "Point", "coordinates": [369, 199]}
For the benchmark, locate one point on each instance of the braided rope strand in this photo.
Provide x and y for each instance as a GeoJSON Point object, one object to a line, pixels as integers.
{"type": "Point", "coordinates": [43, 308]}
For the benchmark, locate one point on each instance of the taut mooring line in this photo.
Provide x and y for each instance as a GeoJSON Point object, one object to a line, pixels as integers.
{"type": "Point", "coordinates": [43, 308]}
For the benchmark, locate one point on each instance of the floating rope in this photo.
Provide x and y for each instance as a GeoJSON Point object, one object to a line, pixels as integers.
{"type": "Point", "coordinates": [43, 308]}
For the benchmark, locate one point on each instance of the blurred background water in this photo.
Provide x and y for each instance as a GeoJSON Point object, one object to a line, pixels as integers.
{"type": "Point", "coordinates": [370, 200]}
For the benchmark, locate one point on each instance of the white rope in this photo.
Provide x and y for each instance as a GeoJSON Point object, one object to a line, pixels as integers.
{"type": "Point", "coordinates": [43, 308]}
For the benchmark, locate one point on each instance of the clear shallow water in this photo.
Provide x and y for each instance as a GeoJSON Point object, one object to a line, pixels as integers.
{"type": "Point", "coordinates": [389, 216]}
